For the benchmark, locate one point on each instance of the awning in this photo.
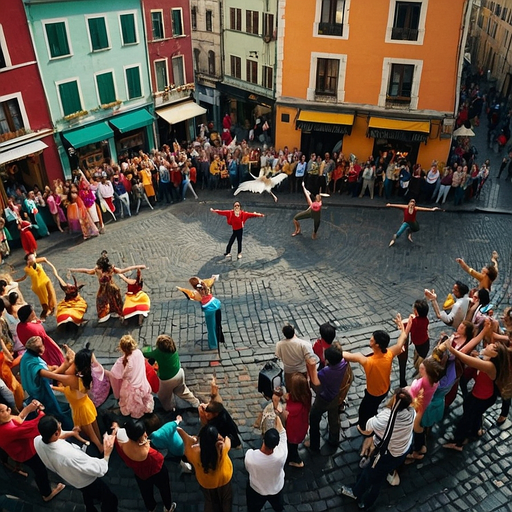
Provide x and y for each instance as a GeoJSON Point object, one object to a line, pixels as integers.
{"type": "Point", "coordinates": [20, 152]}
{"type": "Point", "coordinates": [399, 129]}
{"type": "Point", "coordinates": [330, 122]}
{"type": "Point", "coordinates": [180, 112]}
{"type": "Point", "coordinates": [89, 134]}
{"type": "Point", "coordinates": [132, 120]}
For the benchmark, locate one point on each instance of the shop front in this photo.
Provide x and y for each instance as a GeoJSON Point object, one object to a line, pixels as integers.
{"type": "Point", "coordinates": [133, 132]}
{"type": "Point", "coordinates": [323, 132]}
{"type": "Point", "coordinates": [176, 122]}
{"type": "Point", "coordinates": [402, 136]}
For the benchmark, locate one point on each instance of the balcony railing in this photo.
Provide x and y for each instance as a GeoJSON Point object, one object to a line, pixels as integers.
{"type": "Point", "coordinates": [404, 34]}
{"type": "Point", "coordinates": [398, 101]}
{"type": "Point", "coordinates": [330, 29]}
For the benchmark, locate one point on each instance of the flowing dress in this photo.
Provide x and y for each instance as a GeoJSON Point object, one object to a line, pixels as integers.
{"type": "Point", "coordinates": [108, 298]}
{"type": "Point", "coordinates": [28, 241]}
{"type": "Point", "coordinates": [41, 285]}
{"type": "Point", "coordinates": [79, 219]}
{"type": "Point", "coordinates": [82, 407]}
{"type": "Point", "coordinates": [30, 207]}
{"type": "Point", "coordinates": [136, 302]}
{"type": "Point", "coordinates": [72, 308]}
{"type": "Point", "coordinates": [131, 385]}
{"type": "Point", "coordinates": [147, 181]}
{"type": "Point", "coordinates": [100, 387]}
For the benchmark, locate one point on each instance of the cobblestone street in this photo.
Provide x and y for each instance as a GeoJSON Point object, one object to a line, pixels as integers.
{"type": "Point", "coordinates": [348, 276]}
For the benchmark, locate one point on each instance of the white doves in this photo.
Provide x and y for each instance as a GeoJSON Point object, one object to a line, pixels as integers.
{"type": "Point", "coordinates": [262, 183]}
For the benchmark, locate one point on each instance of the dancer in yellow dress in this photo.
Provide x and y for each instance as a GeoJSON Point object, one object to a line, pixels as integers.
{"type": "Point", "coordinates": [41, 284]}
{"type": "Point", "coordinates": [73, 307]}
{"type": "Point", "coordinates": [136, 302]}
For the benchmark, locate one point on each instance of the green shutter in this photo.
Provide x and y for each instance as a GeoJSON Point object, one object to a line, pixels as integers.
{"type": "Point", "coordinates": [156, 20]}
{"type": "Point", "coordinates": [133, 81]}
{"type": "Point", "coordinates": [106, 88]}
{"type": "Point", "coordinates": [176, 23]}
{"type": "Point", "coordinates": [98, 32]}
{"type": "Point", "coordinates": [128, 28]}
{"type": "Point", "coordinates": [70, 98]}
{"type": "Point", "coordinates": [57, 39]}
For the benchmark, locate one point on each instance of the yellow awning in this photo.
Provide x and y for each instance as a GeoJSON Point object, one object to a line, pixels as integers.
{"type": "Point", "coordinates": [310, 116]}
{"type": "Point", "coordinates": [394, 124]}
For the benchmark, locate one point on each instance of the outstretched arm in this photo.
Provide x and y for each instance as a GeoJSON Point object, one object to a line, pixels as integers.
{"type": "Point", "coordinates": [471, 271]}
{"type": "Point", "coordinates": [475, 362]}
{"type": "Point", "coordinates": [494, 259]}
{"type": "Point", "coordinates": [423, 209]}
{"type": "Point", "coordinates": [90, 271]}
{"type": "Point", "coordinates": [307, 193]}
{"type": "Point", "coordinates": [401, 206]}
{"type": "Point", "coordinates": [126, 280]}
{"type": "Point", "coordinates": [397, 349]}
{"type": "Point", "coordinates": [128, 269]}
{"type": "Point", "coordinates": [61, 281]}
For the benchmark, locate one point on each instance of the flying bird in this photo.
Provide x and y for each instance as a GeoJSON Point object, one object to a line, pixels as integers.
{"type": "Point", "coordinates": [265, 182]}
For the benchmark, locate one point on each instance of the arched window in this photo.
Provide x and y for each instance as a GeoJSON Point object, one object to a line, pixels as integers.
{"type": "Point", "coordinates": [211, 62]}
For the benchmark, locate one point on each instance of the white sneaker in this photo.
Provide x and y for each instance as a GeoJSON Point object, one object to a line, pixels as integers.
{"type": "Point", "coordinates": [393, 479]}
{"type": "Point", "coordinates": [227, 255]}
{"type": "Point", "coordinates": [185, 467]}
{"type": "Point", "coordinates": [239, 256]}
{"type": "Point", "coordinates": [172, 509]}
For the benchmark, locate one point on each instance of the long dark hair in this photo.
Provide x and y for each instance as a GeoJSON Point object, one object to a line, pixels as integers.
{"type": "Point", "coordinates": [208, 437]}
{"type": "Point", "coordinates": [83, 361]}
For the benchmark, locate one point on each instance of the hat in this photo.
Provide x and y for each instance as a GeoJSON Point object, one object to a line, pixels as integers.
{"type": "Point", "coordinates": [271, 438]}
{"type": "Point", "coordinates": [24, 312]}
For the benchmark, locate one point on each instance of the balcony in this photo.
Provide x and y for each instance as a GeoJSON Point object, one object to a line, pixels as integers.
{"type": "Point", "coordinates": [172, 94]}
{"type": "Point", "coordinates": [399, 102]}
{"type": "Point", "coordinates": [404, 34]}
{"type": "Point", "coordinates": [330, 29]}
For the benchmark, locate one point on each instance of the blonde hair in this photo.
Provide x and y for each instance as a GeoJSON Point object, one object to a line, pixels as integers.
{"type": "Point", "coordinates": [127, 344]}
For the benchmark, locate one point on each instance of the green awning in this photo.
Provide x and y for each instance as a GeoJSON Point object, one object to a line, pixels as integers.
{"type": "Point", "coordinates": [89, 134]}
{"type": "Point", "coordinates": [132, 120]}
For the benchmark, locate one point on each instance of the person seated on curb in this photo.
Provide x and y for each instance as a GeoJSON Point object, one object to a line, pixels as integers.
{"type": "Point", "coordinates": [214, 413]}
{"type": "Point", "coordinates": [377, 367]}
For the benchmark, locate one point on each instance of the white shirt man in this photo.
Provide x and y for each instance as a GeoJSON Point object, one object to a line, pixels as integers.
{"type": "Point", "coordinates": [266, 470]}
{"type": "Point", "coordinates": [74, 466]}
{"type": "Point", "coordinates": [459, 309]}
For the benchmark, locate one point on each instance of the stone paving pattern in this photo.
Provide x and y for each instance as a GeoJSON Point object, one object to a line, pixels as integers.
{"type": "Point", "coordinates": [348, 276]}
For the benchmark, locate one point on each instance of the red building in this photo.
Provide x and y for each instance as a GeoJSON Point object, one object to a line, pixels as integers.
{"type": "Point", "coordinates": [167, 24]}
{"type": "Point", "coordinates": [28, 154]}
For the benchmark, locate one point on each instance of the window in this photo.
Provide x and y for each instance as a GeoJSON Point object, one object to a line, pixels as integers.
{"type": "Point", "coordinates": [211, 63]}
{"type": "Point", "coordinates": [162, 77]}
{"type": "Point", "coordinates": [252, 71]}
{"type": "Point", "coordinates": [157, 24]}
{"type": "Point", "coordinates": [133, 85]}
{"type": "Point", "coordinates": [327, 77]}
{"type": "Point", "coordinates": [128, 28]}
{"type": "Point", "coordinates": [400, 84]}
{"type": "Point", "coordinates": [106, 88]}
{"type": "Point", "coordinates": [177, 22]}
{"type": "Point", "coordinates": [70, 97]}
{"type": "Point", "coordinates": [332, 18]}
{"type": "Point", "coordinates": [209, 21]}
{"type": "Point", "coordinates": [98, 34]}
{"type": "Point", "coordinates": [235, 19]}
{"type": "Point", "coordinates": [268, 26]}
{"type": "Point", "coordinates": [197, 54]}
{"type": "Point", "coordinates": [268, 77]}
{"type": "Point", "coordinates": [5, 60]}
{"type": "Point", "coordinates": [10, 116]}
{"type": "Point", "coordinates": [193, 17]}
{"type": "Point", "coordinates": [57, 38]}
{"type": "Point", "coordinates": [252, 22]}
{"type": "Point", "coordinates": [235, 64]}
{"type": "Point", "coordinates": [178, 70]}
{"type": "Point", "coordinates": [406, 22]}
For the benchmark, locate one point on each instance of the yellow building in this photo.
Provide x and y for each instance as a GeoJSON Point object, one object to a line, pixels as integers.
{"type": "Point", "coordinates": [491, 42]}
{"type": "Point", "coordinates": [370, 76]}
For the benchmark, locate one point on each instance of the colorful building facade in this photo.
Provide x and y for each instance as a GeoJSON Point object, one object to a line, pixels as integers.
{"type": "Point", "coordinates": [28, 154]}
{"type": "Point", "coordinates": [93, 63]}
{"type": "Point", "coordinates": [169, 44]}
{"type": "Point", "coordinates": [249, 43]}
{"type": "Point", "coordinates": [368, 77]}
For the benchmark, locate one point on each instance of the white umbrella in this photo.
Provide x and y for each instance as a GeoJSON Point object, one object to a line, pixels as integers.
{"type": "Point", "coordinates": [463, 132]}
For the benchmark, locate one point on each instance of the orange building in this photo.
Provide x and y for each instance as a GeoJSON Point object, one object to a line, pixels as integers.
{"type": "Point", "coordinates": [370, 76]}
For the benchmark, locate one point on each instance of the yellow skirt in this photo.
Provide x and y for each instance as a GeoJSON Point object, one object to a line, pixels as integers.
{"type": "Point", "coordinates": [71, 311]}
{"type": "Point", "coordinates": [136, 304]}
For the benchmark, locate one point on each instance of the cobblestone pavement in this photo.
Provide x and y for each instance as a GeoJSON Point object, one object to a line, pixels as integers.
{"type": "Point", "coordinates": [348, 276]}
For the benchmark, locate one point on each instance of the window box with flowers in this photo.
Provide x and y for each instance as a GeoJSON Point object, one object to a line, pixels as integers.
{"type": "Point", "coordinates": [112, 104]}
{"type": "Point", "coordinates": [75, 115]}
